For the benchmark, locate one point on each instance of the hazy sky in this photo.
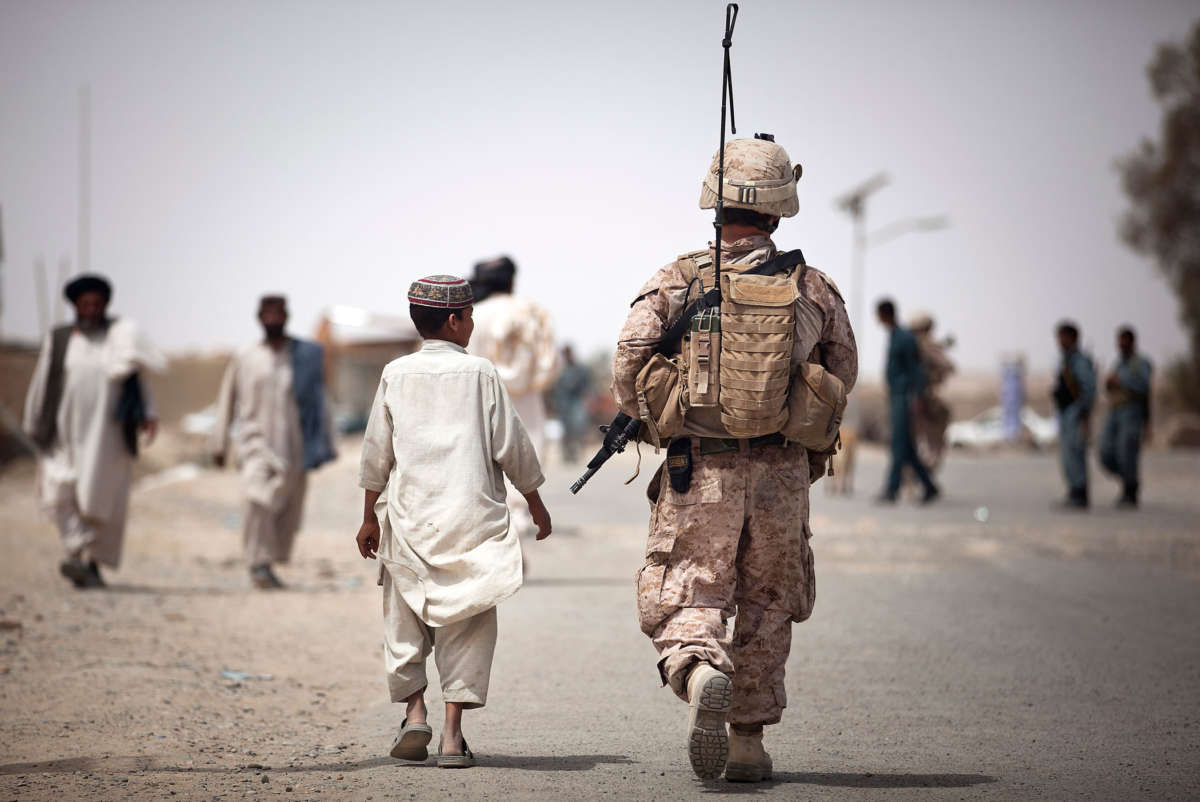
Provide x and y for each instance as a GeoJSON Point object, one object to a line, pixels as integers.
{"type": "Point", "coordinates": [335, 151]}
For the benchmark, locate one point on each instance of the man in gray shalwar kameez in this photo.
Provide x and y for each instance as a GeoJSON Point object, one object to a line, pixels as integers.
{"type": "Point", "coordinates": [85, 408]}
{"type": "Point", "coordinates": [273, 399]}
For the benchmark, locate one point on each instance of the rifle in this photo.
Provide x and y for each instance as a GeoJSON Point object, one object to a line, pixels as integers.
{"type": "Point", "coordinates": [616, 436]}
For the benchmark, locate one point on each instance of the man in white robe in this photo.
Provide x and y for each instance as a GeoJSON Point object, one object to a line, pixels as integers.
{"type": "Point", "coordinates": [84, 409]}
{"type": "Point", "coordinates": [442, 436]}
{"type": "Point", "coordinates": [259, 402]}
{"type": "Point", "coordinates": [517, 336]}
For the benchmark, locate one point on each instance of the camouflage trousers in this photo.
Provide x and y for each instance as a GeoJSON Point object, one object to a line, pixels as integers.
{"type": "Point", "coordinates": [735, 544]}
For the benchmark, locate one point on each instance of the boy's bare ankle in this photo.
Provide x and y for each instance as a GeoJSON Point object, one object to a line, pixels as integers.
{"type": "Point", "coordinates": [416, 712]}
{"type": "Point", "coordinates": [452, 743]}
{"type": "Point", "coordinates": [452, 737]}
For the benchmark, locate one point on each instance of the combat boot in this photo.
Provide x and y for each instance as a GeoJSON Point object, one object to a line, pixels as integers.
{"type": "Point", "coordinates": [748, 761]}
{"type": "Point", "coordinates": [710, 695]}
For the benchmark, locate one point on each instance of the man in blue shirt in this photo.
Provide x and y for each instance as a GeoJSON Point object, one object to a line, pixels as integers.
{"type": "Point", "coordinates": [906, 380]}
{"type": "Point", "coordinates": [274, 391]}
{"type": "Point", "coordinates": [1074, 394]}
{"type": "Point", "coordinates": [1128, 387]}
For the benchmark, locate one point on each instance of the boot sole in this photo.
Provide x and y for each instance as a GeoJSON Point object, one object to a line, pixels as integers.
{"type": "Point", "coordinates": [708, 740]}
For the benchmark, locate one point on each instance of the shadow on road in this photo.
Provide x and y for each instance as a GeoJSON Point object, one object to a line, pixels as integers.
{"type": "Point", "coordinates": [552, 762]}
{"type": "Point", "coordinates": [121, 765]}
{"type": "Point", "coordinates": [228, 590]}
{"type": "Point", "coordinates": [69, 764]}
{"type": "Point", "coordinates": [855, 780]}
{"type": "Point", "coordinates": [170, 590]}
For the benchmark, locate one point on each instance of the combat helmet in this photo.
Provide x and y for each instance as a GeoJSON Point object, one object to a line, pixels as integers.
{"type": "Point", "coordinates": [758, 176]}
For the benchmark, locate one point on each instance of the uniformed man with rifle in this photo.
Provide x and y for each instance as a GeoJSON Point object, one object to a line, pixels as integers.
{"type": "Point", "coordinates": [737, 359]}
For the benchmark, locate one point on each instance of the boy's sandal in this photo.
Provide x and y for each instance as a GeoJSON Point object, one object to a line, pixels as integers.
{"type": "Point", "coordinates": [464, 761]}
{"type": "Point", "coordinates": [412, 741]}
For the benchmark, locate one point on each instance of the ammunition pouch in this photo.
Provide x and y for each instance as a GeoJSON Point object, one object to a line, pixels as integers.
{"type": "Point", "coordinates": [660, 405]}
{"type": "Point", "coordinates": [679, 464]}
{"type": "Point", "coordinates": [816, 403]}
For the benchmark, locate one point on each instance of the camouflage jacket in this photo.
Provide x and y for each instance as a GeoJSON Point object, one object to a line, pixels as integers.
{"type": "Point", "coordinates": [661, 301]}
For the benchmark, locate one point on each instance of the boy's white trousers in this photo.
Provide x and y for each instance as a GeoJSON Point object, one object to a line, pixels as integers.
{"type": "Point", "coordinates": [462, 651]}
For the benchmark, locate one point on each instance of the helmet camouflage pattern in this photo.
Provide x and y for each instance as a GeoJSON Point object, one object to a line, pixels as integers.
{"type": "Point", "coordinates": [758, 176]}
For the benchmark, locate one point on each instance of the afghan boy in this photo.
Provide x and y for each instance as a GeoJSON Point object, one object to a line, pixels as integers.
{"type": "Point", "coordinates": [442, 436]}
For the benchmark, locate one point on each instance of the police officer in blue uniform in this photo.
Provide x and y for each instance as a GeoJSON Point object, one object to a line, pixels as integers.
{"type": "Point", "coordinates": [906, 380]}
{"type": "Point", "coordinates": [1128, 389]}
{"type": "Point", "coordinates": [1074, 396]}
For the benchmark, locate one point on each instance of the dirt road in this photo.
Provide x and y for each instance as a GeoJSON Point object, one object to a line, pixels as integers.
{"type": "Point", "coordinates": [988, 648]}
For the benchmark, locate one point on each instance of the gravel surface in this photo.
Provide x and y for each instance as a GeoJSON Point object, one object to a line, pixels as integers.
{"type": "Point", "coordinates": [989, 647]}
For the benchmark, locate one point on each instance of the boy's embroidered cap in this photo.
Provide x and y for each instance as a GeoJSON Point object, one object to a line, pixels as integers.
{"type": "Point", "coordinates": [441, 292]}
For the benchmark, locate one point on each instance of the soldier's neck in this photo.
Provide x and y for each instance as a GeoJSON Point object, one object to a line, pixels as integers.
{"type": "Point", "coordinates": [732, 232]}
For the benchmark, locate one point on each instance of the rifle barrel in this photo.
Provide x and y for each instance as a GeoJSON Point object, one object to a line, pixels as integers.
{"type": "Point", "coordinates": [583, 480]}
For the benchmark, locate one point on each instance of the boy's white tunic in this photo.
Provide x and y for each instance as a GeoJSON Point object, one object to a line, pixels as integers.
{"type": "Point", "coordinates": [442, 436]}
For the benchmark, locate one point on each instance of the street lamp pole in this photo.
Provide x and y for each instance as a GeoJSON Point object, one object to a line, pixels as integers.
{"type": "Point", "coordinates": [854, 203]}
{"type": "Point", "coordinates": [83, 229]}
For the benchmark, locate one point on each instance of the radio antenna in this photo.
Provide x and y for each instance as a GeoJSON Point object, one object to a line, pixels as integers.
{"type": "Point", "coordinates": [731, 13]}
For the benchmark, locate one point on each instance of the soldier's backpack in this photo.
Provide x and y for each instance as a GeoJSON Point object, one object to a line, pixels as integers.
{"type": "Point", "coordinates": [738, 359]}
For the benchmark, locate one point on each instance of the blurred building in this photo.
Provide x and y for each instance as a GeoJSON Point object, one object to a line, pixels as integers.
{"type": "Point", "coordinates": [358, 343]}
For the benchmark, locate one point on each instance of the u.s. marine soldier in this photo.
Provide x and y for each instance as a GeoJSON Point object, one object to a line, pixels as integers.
{"type": "Point", "coordinates": [735, 542]}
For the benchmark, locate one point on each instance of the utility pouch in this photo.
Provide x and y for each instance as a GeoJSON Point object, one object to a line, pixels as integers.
{"type": "Point", "coordinates": [659, 405]}
{"type": "Point", "coordinates": [816, 403]}
{"type": "Point", "coordinates": [703, 349]}
{"type": "Point", "coordinates": [679, 464]}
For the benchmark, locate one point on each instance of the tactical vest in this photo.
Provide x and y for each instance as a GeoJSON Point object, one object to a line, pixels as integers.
{"type": "Point", "coordinates": [738, 358]}
{"type": "Point", "coordinates": [732, 369]}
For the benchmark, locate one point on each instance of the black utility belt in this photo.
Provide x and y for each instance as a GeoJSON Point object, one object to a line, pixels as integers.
{"type": "Point", "coordinates": [726, 445]}
{"type": "Point", "coordinates": [679, 454]}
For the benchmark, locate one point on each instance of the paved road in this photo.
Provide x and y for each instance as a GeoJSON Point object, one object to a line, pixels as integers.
{"type": "Point", "coordinates": [1036, 654]}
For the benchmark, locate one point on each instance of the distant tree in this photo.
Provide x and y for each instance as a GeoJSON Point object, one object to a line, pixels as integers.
{"type": "Point", "coordinates": [1162, 180]}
